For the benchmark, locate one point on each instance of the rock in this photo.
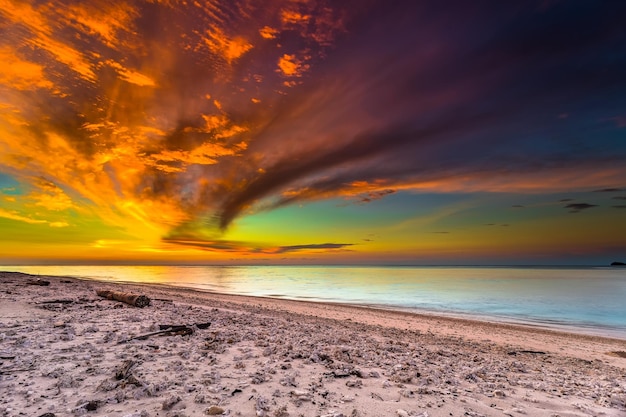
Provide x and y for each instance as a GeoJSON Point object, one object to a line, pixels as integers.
{"type": "Point", "coordinates": [402, 413]}
{"type": "Point", "coordinates": [513, 412]}
{"type": "Point", "coordinates": [301, 395]}
{"type": "Point", "coordinates": [499, 393]}
{"type": "Point", "coordinates": [215, 411]}
{"type": "Point", "coordinates": [170, 402]}
{"type": "Point", "coordinates": [354, 383]}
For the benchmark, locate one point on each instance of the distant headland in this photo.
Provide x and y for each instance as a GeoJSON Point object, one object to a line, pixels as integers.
{"type": "Point", "coordinates": [616, 263]}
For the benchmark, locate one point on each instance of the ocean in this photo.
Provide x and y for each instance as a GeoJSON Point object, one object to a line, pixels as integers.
{"type": "Point", "coordinates": [589, 300]}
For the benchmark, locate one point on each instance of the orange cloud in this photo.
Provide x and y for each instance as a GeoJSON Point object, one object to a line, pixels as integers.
{"type": "Point", "coordinates": [294, 17]}
{"type": "Point", "coordinates": [291, 66]}
{"type": "Point", "coordinates": [205, 154]}
{"type": "Point", "coordinates": [20, 74]}
{"type": "Point", "coordinates": [268, 33]}
{"type": "Point", "coordinates": [131, 76]}
{"type": "Point", "coordinates": [228, 48]}
{"type": "Point", "coordinates": [51, 197]}
{"type": "Point", "coordinates": [39, 25]}
{"type": "Point", "coordinates": [104, 20]}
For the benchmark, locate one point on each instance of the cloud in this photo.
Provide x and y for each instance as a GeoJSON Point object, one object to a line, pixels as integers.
{"type": "Point", "coordinates": [228, 48]}
{"type": "Point", "coordinates": [59, 224]}
{"type": "Point", "coordinates": [374, 195]}
{"type": "Point", "coordinates": [50, 196]}
{"type": "Point", "coordinates": [21, 74]}
{"type": "Point", "coordinates": [162, 115]}
{"type": "Point", "coordinates": [316, 247]}
{"type": "Point", "coordinates": [609, 190]}
{"type": "Point", "coordinates": [619, 197]}
{"type": "Point", "coordinates": [13, 215]}
{"type": "Point", "coordinates": [578, 207]}
{"type": "Point", "coordinates": [246, 248]}
{"type": "Point", "coordinates": [360, 149]}
{"type": "Point", "coordinates": [16, 216]}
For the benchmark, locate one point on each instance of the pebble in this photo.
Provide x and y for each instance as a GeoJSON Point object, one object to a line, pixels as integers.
{"type": "Point", "coordinates": [214, 411]}
{"type": "Point", "coordinates": [499, 393]}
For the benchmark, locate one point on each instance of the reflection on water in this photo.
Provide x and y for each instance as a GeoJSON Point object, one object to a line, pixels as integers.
{"type": "Point", "coordinates": [583, 297]}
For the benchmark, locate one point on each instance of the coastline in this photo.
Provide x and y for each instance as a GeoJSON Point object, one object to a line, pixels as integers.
{"type": "Point", "coordinates": [278, 357]}
{"type": "Point", "coordinates": [563, 300]}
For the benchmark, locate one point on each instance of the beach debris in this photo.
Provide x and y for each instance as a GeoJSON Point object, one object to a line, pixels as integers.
{"type": "Point", "coordinates": [262, 406]}
{"type": "Point", "coordinates": [169, 330]}
{"type": "Point", "coordinates": [498, 393]}
{"type": "Point", "coordinates": [281, 412]}
{"type": "Point", "coordinates": [38, 281]}
{"type": "Point", "coordinates": [301, 395]}
{"type": "Point", "coordinates": [86, 406]}
{"type": "Point", "coordinates": [376, 396]}
{"type": "Point", "coordinates": [56, 302]}
{"type": "Point", "coordinates": [183, 328]}
{"type": "Point", "coordinates": [354, 383]}
{"type": "Point", "coordinates": [124, 373]}
{"type": "Point", "coordinates": [533, 352]}
{"type": "Point", "coordinates": [170, 402]}
{"type": "Point", "coordinates": [136, 300]}
{"type": "Point", "coordinates": [215, 411]}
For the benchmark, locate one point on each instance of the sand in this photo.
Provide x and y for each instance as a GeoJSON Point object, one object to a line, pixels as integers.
{"type": "Point", "coordinates": [65, 351]}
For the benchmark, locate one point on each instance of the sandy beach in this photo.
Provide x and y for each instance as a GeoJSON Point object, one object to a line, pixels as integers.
{"type": "Point", "coordinates": [66, 351]}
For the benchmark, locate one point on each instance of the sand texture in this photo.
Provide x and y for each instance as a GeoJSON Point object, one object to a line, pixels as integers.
{"type": "Point", "coordinates": [65, 351]}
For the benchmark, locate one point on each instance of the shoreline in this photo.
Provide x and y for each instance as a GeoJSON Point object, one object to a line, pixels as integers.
{"type": "Point", "coordinates": [589, 329]}
{"type": "Point", "coordinates": [61, 346]}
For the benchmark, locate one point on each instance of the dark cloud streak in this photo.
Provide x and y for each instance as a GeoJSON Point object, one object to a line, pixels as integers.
{"type": "Point", "coordinates": [578, 207]}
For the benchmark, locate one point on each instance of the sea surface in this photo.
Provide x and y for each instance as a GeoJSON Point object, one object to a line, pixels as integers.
{"type": "Point", "coordinates": [589, 300]}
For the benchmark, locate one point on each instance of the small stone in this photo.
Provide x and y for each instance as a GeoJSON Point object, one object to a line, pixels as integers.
{"type": "Point", "coordinates": [402, 413]}
{"type": "Point", "coordinates": [170, 402]}
{"type": "Point", "coordinates": [499, 393]}
{"type": "Point", "coordinates": [215, 411]}
{"type": "Point", "coordinates": [354, 383]}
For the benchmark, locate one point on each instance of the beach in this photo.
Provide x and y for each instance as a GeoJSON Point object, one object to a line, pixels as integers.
{"type": "Point", "coordinates": [66, 351]}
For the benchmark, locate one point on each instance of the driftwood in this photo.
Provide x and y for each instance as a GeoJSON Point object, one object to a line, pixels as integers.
{"type": "Point", "coordinates": [38, 281]}
{"type": "Point", "coordinates": [125, 297]}
{"type": "Point", "coordinates": [535, 352]}
{"type": "Point", "coordinates": [169, 330]}
{"type": "Point", "coordinates": [178, 328]}
{"type": "Point", "coordinates": [56, 302]}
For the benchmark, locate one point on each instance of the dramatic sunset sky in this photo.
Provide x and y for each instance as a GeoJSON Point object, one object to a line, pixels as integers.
{"type": "Point", "coordinates": [312, 131]}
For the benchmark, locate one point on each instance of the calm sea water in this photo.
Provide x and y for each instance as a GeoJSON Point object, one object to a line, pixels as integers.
{"type": "Point", "coordinates": [587, 299]}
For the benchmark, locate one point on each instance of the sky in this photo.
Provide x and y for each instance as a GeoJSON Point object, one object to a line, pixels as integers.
{"type": "Point", "coordinates": [312, 132]}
